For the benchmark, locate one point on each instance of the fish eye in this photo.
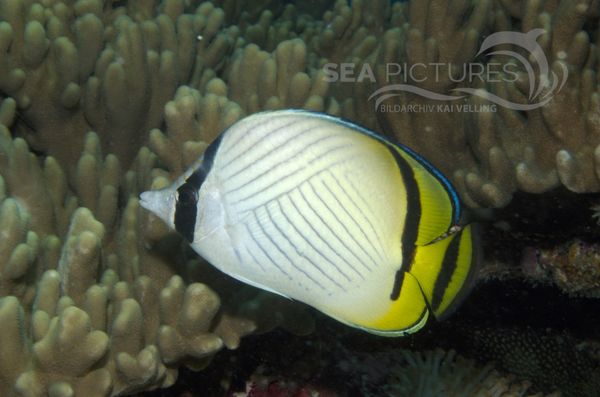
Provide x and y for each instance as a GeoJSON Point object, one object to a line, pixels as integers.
{"type": "Point", "coordinates": [187, 196]}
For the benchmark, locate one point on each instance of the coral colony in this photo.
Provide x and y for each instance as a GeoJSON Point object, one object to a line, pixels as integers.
{"type": "Point", "coordinates": [101, 100]}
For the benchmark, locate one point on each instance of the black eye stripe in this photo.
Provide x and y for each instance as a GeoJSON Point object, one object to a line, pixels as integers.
{"type": "Point", "coordinates": [187, 196]}
{"type": "Point", "coordinates": [186, 207]}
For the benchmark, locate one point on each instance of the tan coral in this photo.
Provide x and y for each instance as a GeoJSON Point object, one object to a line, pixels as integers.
{"type": "Point", "coordinates": [151, 331]}
{"type": "Point", "coordinates": [349, 32]}
{"type": "Point", "coordinates": [554, 144]}
{"type": "Point", "coordinates": [18, 247]}
{"type": "Point", "coordinates": [40, 55]}
{"type": "Point", "coordinates": [136, 358]}
{"type": "Point", "coordinates": [90, 67]}
{"type": "Point", "coordinates": [187, 315]}
{"type": "Point", "coordinates": [85, 288]}
{"type": "Point", "coordinates": [267, 31]}
{"type": "Point", "coordinates": [263, 81]}
{"type": "Point", "coordinates": [193, 119]}
{"type": "Point", "coordinates": [18, 164]}
{"type": "Point", "coordinates": [243, 10]}
{"type": "Point", "coordinates": [8, 108]}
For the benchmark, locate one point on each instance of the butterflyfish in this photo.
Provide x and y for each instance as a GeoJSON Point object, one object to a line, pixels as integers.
{"type": "Point", "coordinates": [323, 211]}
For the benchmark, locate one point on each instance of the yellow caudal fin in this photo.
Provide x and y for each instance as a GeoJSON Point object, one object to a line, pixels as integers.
{"type": "Point", "coordinates": [445, 270]}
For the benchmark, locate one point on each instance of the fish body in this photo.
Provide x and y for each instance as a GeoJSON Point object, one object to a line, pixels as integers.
{"type": "Point", "coordinates": [323, 211]}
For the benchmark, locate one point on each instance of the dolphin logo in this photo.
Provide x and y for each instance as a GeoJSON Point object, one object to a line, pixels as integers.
{"type": "Point", "coordinates": [528, 41]}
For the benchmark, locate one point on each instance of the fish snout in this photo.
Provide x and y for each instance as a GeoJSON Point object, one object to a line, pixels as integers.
{"type": "Point", "coordinates": [160, 202]}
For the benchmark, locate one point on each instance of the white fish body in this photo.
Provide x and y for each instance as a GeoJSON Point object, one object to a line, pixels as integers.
{"type": "Point", "coordinates": [310, 207]}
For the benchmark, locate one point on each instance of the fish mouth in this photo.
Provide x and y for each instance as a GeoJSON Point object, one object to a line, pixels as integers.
{"type": "Point", "coordinates": [160, 203]}
{"type": "Point", "coordinates": [155, 201]}
{"type": "Point", "coordinates": [144, 199]}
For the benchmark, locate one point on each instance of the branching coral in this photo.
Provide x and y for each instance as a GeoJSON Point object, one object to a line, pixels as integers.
{"type": "Point", "coordinates": [263, 81]}
{"type": "Point", "coordinates": [71, 313]}
{"type": "Point", "coordinates": [77, 278]}
{"type": "Point", "coordinates": [80, 304]}
{"type": "Point", "coordinates": [551, 145]}
{"type": "Point", "coordinates": [136, 358]}
{"type": "Point", "coordinates": [192, 119]}
{"type": "Point", "coordinates": [349, 32]}
{"type": "Point", "coordinates": [72, 69]}
{"type": "Point", "coordinates": [267, 31]}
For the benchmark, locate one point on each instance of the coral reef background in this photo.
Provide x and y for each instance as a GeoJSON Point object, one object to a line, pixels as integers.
{"type": "Point", "coordinates": [102, 99]}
